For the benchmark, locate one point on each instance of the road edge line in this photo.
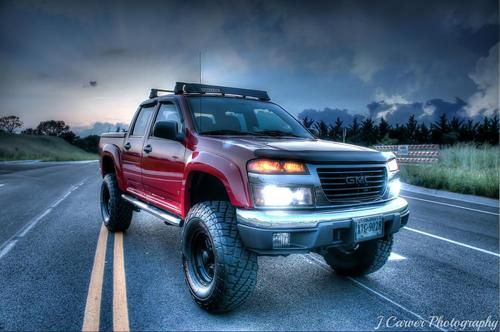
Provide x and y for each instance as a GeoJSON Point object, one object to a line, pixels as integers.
{"type": "Point", "coordinates": [10, 243]}
{"type": "Point", "coordinates": [451, 205]}
{"type": "Point", "coordinates": [326, 267]}
{"type": "Point", "coordinates": [120, 307]}
{"type": "Point", "coordinates": [454, 196]}
{"type": "Point", "coordinates": [92, 315]}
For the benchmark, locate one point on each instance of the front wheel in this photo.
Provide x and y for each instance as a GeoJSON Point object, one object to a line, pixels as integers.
{"type": "Point", "coordinates": [366, 258]}
{"type": "Point", "coordinates": [220, 273]}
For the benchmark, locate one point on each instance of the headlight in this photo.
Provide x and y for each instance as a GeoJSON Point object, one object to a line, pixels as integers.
{"type": "Point", "coordinates": [266, 166]}
{"type": "Point", "coordinates": [392, 165]}
{"type": "Point", "coordinates": [394, 188]}
{"type": "Point", "coordinates": [272, 195]}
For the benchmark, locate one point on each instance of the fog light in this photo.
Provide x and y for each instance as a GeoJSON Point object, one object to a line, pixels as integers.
{"type": "Point", "coordinates": [281, 240]}
{"type": "Point", "coordinates": [394, 188]}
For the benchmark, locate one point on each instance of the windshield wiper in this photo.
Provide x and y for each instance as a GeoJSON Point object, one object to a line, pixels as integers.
{"type": "Point", "coordinates": [228, 132]}
{"type": "Point", "coordinates": [276, 133]}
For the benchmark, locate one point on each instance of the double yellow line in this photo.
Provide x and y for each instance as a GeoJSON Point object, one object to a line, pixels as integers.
{"type": "Point", "coordinates": [92, 315]}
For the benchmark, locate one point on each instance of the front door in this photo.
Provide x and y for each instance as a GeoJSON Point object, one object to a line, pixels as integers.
{"type": "Point", "coordinates": [132, 149]}
{"type": "Point", "coordinates": [163, 166]}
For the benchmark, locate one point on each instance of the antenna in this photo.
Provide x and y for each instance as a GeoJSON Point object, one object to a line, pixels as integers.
{"type": "Point", "coordinates": [199, 118]}
{"type": "Point", "coordinates": [200, 67]}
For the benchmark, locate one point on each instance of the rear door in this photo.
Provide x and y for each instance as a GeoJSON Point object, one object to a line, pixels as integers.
{"type": "Point", "coordinates": [132, 149]}
{"type": "Point", "coordinates": [163, 166]}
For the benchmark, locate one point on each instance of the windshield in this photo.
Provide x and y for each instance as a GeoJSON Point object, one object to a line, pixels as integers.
{"type": "Point", "coordinates": [238, 116]}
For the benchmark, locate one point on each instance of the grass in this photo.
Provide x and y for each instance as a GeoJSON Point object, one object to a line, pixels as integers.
{"type": "Point", "coordinates": [48, 148]}
{"type": "Point", "coordinates": [463, 169]}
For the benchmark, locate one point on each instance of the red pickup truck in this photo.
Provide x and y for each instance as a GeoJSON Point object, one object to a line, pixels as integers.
{"type": "Point", "coordinates": [243, 178]}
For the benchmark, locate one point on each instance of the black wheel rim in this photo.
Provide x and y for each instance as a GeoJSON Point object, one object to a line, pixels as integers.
{"type": "Point", "coordinates": [203, 258]}
{"type": "Point", "coordinates": [105, 201]}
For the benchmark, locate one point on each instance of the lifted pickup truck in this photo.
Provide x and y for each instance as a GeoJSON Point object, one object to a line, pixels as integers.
{"type": "Point", "coordinates": [243, 178]}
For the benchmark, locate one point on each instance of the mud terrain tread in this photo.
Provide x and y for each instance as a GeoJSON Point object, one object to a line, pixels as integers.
{"type": "Point", "coordinates": [120, 215]}
{"type": "Point", "coordinates": [384, 248]}
{"type": "Point", "coordinates": [365, 261]}
{"type": "Point", "coordinates": [239, 266]}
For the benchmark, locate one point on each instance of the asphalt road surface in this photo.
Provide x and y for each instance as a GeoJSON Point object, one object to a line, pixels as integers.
{"type": "Point", "coordinates": [60, 270]}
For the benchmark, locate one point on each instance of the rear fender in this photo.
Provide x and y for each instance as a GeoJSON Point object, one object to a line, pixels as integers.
{"type": "Point", "coordinates": [113, 152]}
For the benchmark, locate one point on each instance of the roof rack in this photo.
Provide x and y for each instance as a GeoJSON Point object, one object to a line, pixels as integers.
{"type": "Point", "coordinates": [196, 88]}
{"type": "Point", "coordinates": [154, 92]}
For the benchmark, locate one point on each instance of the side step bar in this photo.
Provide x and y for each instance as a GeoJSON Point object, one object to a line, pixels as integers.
{"type": "Point", "coordinates": [165, 216]}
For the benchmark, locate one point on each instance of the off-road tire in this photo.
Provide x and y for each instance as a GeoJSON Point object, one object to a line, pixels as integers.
{"type": "Point", "coordinates": [369, 257]}
{"type": "Point", "coordinates": [116, 212]}
{"type": "Point", "coordinates": [233, 267]}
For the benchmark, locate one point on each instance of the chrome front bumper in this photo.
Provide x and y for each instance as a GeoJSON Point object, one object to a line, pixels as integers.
{"type": "Point", "coordinates": [311, 218]}
{"type": "Point", "coordinates": [310, 230]}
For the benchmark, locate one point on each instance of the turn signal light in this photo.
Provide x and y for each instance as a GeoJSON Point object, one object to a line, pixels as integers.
{"type": "Point", "coordinates": [266, 166]}
{"type": "Point", "coordinates": [393, 165]}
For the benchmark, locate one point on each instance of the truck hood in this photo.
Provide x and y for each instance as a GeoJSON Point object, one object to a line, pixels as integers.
{"type": "Point", "coordinates": [308, 150]}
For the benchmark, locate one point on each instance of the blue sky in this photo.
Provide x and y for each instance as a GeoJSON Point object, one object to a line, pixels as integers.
{"type": "Point", "coordinates": [307, 54]}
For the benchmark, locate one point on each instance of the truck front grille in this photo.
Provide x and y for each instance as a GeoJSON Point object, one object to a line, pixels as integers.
{"type": "Point", "coordinates": [351, 185]}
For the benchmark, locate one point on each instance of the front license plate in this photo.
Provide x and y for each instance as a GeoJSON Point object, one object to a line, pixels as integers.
{"type": "Point", "coordinates": [368, 228]}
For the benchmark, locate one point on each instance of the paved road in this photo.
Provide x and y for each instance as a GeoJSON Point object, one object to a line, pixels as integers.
{"type": "Point", "coordinates": [446, 263]}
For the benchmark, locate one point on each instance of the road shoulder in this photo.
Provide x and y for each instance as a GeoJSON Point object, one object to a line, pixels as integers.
{"type": "Point", "coordinates": [449, 195]}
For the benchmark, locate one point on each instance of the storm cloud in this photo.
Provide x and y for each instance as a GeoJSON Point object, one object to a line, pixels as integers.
{"type": "Point", "coordinates": [394, 110]}
{"type": "Point", "coordinates": [308, 55]}
{"type": "Point", "coordinates": [426, 112]}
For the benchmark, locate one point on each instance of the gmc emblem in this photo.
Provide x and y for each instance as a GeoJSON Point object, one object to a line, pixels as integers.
{"type": "Point", "coordinates": [355, 180]}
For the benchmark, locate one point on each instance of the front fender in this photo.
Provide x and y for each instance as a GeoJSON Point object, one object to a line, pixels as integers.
{"type": "Point", "coordinates": [227, 171]}
{"type": "Point", "coordinates": [112, 152]}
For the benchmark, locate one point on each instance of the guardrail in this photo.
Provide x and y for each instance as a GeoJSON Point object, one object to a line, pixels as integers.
{"type": "Point", "coordinates": [413, 154]}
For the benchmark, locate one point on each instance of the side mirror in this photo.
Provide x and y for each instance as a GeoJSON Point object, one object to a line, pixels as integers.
{"type": "Point", "coordinates": [314, 132]}
{"type": "Point", "coordinates": [167, 130]}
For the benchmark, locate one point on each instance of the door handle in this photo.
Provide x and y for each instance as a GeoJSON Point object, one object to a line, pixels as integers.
{"type": "Point", "coordinates": [148, 148]}
{"type": "Point", "coordinates": [127, 145]}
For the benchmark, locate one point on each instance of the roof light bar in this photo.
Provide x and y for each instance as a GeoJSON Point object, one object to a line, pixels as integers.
{"type": "Point", "coordinates": [196, 88]}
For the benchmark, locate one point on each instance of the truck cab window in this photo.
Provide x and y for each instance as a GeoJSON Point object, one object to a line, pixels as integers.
{"type": "Point", "coordinates": [169, 112]}
{"type": "Point", "coordinates": [141, 122]}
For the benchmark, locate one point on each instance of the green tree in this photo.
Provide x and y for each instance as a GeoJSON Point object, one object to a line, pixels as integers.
{"type": "Point", "coordinates": [322, 128]}
{"type": "Point", "coordinates": [467, 131]}
{"type": "Point", "coordinates": [483, 130]}
{"type": "Point", "coordinates": [68, 136]}
{"type": "Point", "coordinates": [369, 132]}
{"type": "Point", "coordinates": [30, 131]}
{"type": "Point", "coordinates": [411, 129]}
{"type": "Point", "coordinates": [306, 122]}
{"type": "Point", "coordinates": [353, 131]}
{"type": "Point", "coordinates": [10, 123]}
{"type": "Point", "coordinates": [337, 130]}
{"type": "Point", "coordinates": [52, 128]}
{"type": "Point", "coordinates": [383, 128]}
{"type": "Point", "coordinates": [423, 134]}
{"type": "Point", "coordinates": [494, 130]}
{"type": "Point", "coordinates": [398, 133]}
{"type": "Point", "coordinates": [439, 129]}
{"type": "Point", "coordinates": [89, 143]}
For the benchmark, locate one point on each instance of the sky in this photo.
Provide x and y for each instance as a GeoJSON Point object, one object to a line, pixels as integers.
{"type": "Point", "coordinates": [94, 61]}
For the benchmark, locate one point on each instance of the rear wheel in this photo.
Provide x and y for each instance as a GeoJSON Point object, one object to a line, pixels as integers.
{"type": "Point", "coordinates": [366, 258]}
{"type": "Point", "coordinates": [220, 273]}
{"type": "Point", "coordinates": [116, 212]}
